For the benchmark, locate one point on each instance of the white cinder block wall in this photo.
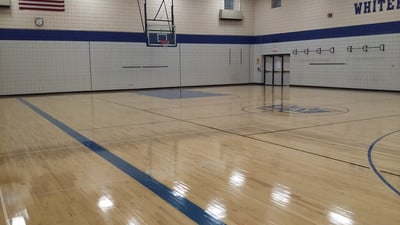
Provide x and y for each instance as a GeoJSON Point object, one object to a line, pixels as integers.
{"type": "Point", "coordinates": [79, 61]}
{"type": "Point", "coordinates": [192, 16]}
{"type": "Point", "coordinates": [301, 15]}
{"type": "Point", "coordinates": [367, 70]}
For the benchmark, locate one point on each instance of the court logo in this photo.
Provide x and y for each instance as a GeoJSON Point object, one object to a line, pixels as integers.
{"type": "Point", "coordinates": [364, 7]}
{"type": "Point", "coordinates": [298, 110]}
{"type": "Point", "coordinates": [295, 109]}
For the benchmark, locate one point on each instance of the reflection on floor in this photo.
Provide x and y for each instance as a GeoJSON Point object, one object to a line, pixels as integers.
{"type": "Point", "coordinates": [176, 93]}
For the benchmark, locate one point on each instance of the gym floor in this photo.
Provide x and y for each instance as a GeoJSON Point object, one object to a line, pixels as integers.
{"type": "Point", "coordinates": [236, 155]}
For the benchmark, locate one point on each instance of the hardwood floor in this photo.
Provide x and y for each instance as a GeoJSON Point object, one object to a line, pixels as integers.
{"type": "Point", "coordinates": [249, 155]}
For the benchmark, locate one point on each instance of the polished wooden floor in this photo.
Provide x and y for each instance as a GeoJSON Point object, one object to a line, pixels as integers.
{"type": "Point", "coordinates": [255, 155]}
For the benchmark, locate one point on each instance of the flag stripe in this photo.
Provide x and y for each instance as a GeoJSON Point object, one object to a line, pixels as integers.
{"type": "Point", "coordinates": [41, 9]}
{"type": "Point", "coordinates": [50, 1]}
{"type": "Point", "coordinates": [49, 6]}
{"type": "Point", "coordinates": [42, 5]}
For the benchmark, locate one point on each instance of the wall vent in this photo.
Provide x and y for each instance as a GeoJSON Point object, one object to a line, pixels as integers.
{"type": "Point", "coordinates": [228, 14]}
{"type": "Point", "coordinates": [5, 3]}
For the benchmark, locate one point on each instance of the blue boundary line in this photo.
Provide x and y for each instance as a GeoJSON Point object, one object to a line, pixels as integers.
{"type": "Point", "coordinates": [371, 163]}
{"type": "Point", "coordinates": [185, 206]}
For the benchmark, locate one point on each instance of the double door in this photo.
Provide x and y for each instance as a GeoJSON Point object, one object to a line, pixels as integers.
{"type": "Point", "coordinates": [277, 70]}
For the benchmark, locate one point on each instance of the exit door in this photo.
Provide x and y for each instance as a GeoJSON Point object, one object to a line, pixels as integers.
{"type": "Point", "coordinates": [277, 70]}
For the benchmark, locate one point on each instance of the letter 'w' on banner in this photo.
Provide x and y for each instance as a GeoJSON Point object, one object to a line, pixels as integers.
{"type": "Point", "coordinates": [43, 5]}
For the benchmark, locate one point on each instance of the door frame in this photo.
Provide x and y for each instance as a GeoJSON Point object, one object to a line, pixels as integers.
{"type": "Point", "coordinates": [273, 68]}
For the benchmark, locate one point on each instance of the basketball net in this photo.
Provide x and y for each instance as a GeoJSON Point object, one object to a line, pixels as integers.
{"type": "Point", "coordinates": [164, 43]}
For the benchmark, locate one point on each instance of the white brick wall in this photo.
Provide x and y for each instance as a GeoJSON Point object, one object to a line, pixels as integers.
{"type": "Point", "coordinates": [45, 66]}
{"type": "Point", "coordinates": [299, 15]}
{"type": "Point", "coordinates": [374, 69]}
{"type": "Point", "coordinates": [191, 16]}
{"type": "Point", "coordinates": [202, 17]}
{"type": "Point", "coordinates": [102, 15]}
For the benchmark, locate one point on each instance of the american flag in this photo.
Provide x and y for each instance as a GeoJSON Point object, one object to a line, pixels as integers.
{"type": "Point", "coordinates": [43, 5]}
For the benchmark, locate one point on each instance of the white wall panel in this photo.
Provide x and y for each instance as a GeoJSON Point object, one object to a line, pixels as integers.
{"type": "Point", "coordinates": [43, 66]}
{"type": "Point", "coordinates": [108, 60]}
{"type": "Point", "coordinates": [255, 75]}
{"type": "Point", "coordinates": [210, 64]}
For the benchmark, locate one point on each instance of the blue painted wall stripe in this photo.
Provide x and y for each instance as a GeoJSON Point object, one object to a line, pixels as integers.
{"type": "Point", "coordinates": [185, 206]}
{"type": "Point", "coordinates": [337, 32]}
{"type": "Point", "coordinates": [69, 35]}
{"type": "Point", "coordinates": [371, 163]}
{"type": "Point", "coordinates": [214, 39]}
{"type": "Point", "coordinates": [103, 36]}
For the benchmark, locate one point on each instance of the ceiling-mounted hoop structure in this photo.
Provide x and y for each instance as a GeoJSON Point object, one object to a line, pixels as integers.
{"type": "Point", "coordinates": [159, 23]}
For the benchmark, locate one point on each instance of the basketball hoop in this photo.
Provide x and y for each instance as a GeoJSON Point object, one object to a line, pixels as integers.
{"type": "Point", "coordinates": [159, 23]}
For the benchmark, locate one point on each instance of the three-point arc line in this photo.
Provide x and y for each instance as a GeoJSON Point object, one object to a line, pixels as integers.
{"type": "Point", "coordinates": [371, 163]}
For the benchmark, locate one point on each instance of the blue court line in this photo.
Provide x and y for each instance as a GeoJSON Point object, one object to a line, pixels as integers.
{"type": "Point", "coordinates": [185, 206]}
{"type": "Point", "coordinates": [371, 163]}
